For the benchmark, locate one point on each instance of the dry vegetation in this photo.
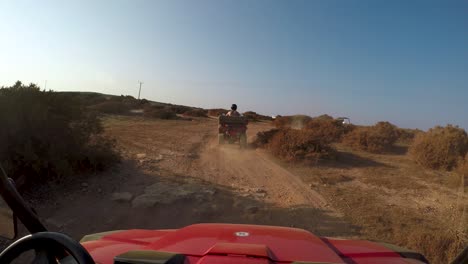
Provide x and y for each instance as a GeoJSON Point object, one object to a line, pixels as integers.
{"type": "Point", "coordinates": [296, 121]}
{"type": "Point", "coordinates": [376, 139]}
{"type": "Point", "coordinates": [254, 117]}
{"type": "Point", "coordinates": [196, 113]}
{"type": "Point", "coordinates": [302, 138]}
{"type": "Point", "coordinates": [440, 147]}
{"type": "Point", "coordinates": [217, 112]}
{"type": "Point", "coordinates": [440, 233]}
{"type": "Point", "coordinates": [460, 177]}
{"type": "Point", "coordinates": [300, 145]}
{"type": "Point", "coordinates": [160, 113]}
{"type": "Point", "coordinates": [48, 135]}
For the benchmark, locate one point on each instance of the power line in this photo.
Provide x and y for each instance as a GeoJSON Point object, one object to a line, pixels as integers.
{"type": "Point", "coordinates": [139, 91]}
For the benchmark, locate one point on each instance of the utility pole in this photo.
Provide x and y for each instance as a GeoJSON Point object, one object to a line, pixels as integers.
{"type": "Point", "coordinates": [139, 91]}
{"type": "Point", "coordinates": [45, 85]}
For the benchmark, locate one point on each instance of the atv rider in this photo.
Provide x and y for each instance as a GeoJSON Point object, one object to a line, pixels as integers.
{"type": "Point", "coordinates": [233, 111]}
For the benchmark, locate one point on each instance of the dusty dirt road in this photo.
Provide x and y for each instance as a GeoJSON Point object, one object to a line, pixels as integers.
{"type": "Point", "coordinates": [174, 174]}
{"type": "Point", "coordinates": [253, 170]}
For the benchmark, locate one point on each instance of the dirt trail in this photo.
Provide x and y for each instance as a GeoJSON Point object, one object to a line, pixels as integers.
{"type": "Point", "coordinates": [253, 170]}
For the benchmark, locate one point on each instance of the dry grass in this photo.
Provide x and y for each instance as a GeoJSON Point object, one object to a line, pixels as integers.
{"type": "Point", "coordinates": [392, 199]}
{"type": "Point", "coordinates": [440, 147]}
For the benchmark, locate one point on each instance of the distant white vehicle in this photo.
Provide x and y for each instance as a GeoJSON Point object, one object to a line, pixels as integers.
{"type": "Point", "coordinates": [344, 120]}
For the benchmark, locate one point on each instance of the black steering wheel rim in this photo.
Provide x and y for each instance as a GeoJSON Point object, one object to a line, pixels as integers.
{"type": "Point", "coordinates": [47, 241]}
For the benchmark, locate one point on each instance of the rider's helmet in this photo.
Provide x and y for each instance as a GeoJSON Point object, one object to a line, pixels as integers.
{"type": "Point", "coordinates": [233, 107]}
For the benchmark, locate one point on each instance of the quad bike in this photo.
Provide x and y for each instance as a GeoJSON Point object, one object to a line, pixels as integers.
{"type": "Point", "coordinates": [232, 129]}
{"type": "Point", "coordinates": [194, 244]}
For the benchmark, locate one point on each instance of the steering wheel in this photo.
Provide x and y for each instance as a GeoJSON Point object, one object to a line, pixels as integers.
{"type": "Point", "coordinates": [49, 247]}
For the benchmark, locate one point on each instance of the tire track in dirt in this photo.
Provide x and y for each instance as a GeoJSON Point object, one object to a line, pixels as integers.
{"type": "Point", "coordinates": [245, 169]}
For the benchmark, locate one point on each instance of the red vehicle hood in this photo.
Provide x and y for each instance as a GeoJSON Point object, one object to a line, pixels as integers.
{"type": "Point", "coordinates": [230, 243]}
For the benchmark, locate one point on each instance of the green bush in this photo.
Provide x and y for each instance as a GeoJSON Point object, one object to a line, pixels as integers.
{"type": "Point", "coordinates": [48, 135]}
{"type": "Point", "coordinates": [440, 147]}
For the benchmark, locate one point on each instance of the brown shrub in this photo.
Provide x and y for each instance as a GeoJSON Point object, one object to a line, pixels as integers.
{"type": "Point", "coordinates": [377, 139]}
{"type": "Point", "coordinates": [295, 121]}
{"type": "Point", "coordinates": [299, 145]}
{"type": "Point", "coordinates": [196, 113]}
{"type": "Point", "coordinates": [282, 121]}
{"type": "Point", "coordinates": [217, 112]}
{"type": "Point", "coordinates": [330, 130]}
{"type": "Point", "coordinates": [406, 136]}
{"type": "Point", "coordinates": [440, 147]}
{"type": "Point", "coordinates": [460, 177]}
{"type": "Point", "coordinates": [264, 137]}
{"type": "Point", "coordinates": [253, 116]}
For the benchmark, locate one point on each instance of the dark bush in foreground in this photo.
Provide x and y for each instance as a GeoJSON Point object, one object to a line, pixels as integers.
{"type": "Point", "coordinates": [299, 145]}
{"type": "Point", "coordinates": [48, 135]}
{"type": "Point", "coordinates": [376, 139]}
{"type": "Point", "coordinates": [440, 147]}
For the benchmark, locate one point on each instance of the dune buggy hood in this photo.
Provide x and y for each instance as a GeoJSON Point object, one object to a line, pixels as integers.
{"type": "Point", "coordinates": [231, 243]}
{"type": "Point", "coordinates": [278, 244]}
{"type": "Point", "coordinates": [275, 243]}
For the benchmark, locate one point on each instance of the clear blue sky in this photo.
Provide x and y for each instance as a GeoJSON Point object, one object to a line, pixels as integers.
{"type": "Point", "coordinates": [401, 61]}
